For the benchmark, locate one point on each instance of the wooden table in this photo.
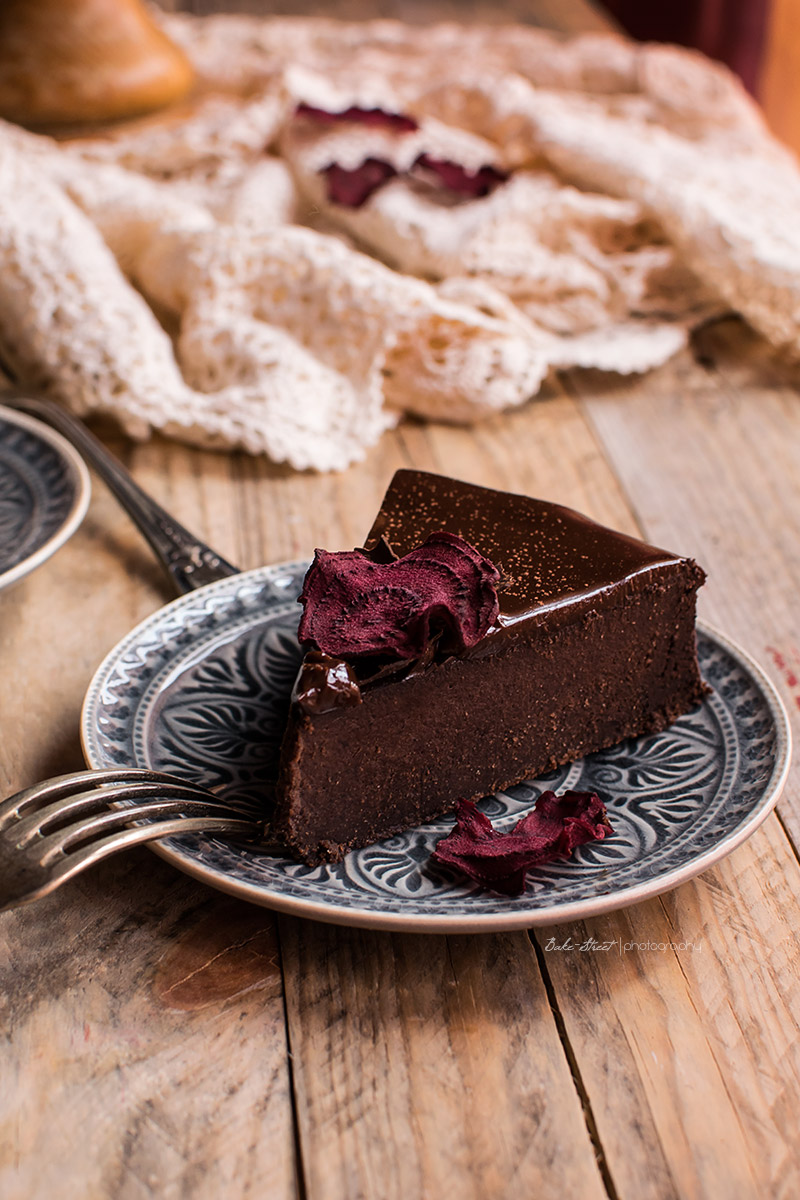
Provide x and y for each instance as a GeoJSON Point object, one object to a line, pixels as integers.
{"type": "Point", "coordinates": [160, 1039]}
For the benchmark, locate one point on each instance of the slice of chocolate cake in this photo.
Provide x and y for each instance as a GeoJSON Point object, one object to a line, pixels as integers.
{"type": "Point", "coordinates": [479, 639]}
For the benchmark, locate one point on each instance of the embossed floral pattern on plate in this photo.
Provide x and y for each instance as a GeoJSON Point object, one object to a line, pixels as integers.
{"type": "Point", "coordinates": [44, 492]}
{"type": "Point", "coordinates": [201, 689]}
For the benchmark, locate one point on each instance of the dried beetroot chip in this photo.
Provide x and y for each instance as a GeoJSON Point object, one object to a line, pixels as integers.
{"type": "Point", "coordinates": [377, 118]}
{"type": "Point", "coordinates": [355, 605]}
{"type": "Point", "coordinates": [461, 181]}
{"type": "Point", "coordinates": [499, 861]}
{"type": "Point", "coordinates": [352, 188]}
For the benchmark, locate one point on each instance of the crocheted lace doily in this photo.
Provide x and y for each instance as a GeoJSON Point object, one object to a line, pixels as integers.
{"type": "Point", "coordinates": [190, 273]}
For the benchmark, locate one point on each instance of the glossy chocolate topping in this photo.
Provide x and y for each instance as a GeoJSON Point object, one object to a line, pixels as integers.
{"type": "Point", "coordinates": [325, 683]}
{"type": "Point", "coordinates": [547, 555]}
{"type": "Point", "coordinates": [551, 560]}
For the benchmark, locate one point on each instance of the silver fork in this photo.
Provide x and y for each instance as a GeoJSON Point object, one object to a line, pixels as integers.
{"type": "Point", "coordinates": [189, 562]}
{"type": "Point", "coordinates": [51, 831]}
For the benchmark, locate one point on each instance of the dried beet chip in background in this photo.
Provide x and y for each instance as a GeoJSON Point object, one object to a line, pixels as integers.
{"type": "Point", "coordinates": [458, 179]}
{"type": "Point", "coordinates": [352, 188]}
{"type": "Point", "coordinates": [377, 118]}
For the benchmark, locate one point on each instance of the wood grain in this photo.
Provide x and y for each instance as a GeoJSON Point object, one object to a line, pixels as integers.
{"type": "Point", "coordinates": [709, 454]}
{"type": "Point", "coordinates": [138, 1009]}
{"type": "Point", "coordinates": [144, 1049]}
{"type": "Point", "coordinates": [190, 1041]}
{"type": "Point", "coordinates": [682, 1014]}
{"type": "Point", "coordinates": [658, 1040]}
{"type": "Point", "coordinates": [430, 1066]}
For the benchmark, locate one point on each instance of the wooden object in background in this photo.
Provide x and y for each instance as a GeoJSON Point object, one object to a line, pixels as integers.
{"type": "Point", "coordinates": [780, 74]}
{"type": "Point", "coordinates": [67, 61]}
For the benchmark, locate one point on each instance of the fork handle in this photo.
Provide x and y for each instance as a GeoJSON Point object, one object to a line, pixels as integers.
{"type": "Point", "coordinates": [189, 562]}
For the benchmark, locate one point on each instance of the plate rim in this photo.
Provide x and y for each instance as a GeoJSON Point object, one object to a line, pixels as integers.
{"type": "Point", "coordinates": [557, 914]}
{"type": "Point", "coordinates": [80, 504]}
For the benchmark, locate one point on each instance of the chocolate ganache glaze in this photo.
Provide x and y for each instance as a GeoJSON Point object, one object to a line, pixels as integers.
{"type": "Point", "coordinates": [325, 683]}
{"type": "Point", "coordinates": [546, 560]}
{"type": "Point", "coordinates": [548, 556]}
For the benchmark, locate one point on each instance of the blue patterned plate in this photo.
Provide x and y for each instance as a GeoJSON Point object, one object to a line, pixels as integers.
{"type": "Point", "coordinates": [201, 689]}
{"type": "Point", "coordinates": [44, 493]}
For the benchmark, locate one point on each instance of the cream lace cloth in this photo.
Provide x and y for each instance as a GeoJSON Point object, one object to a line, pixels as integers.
{"type": "Point", "coordinates": [189, 274]}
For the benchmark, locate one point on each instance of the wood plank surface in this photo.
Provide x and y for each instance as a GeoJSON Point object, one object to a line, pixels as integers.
{"type": "Point", "coordinates": [430, 1066]}
{"type": "Point", "coordinates": [137, 1009]}
{"type": "Point", "coordinates": [546, 449]}
{"type": "Point", "coordinates": [144, 1043]}
{"type": "Point", "coordinates": [709, 452]}
{"type": "Point", "coordinates": [159, 1039]}
{"type": "Point", "coordinates": [682, 1014]}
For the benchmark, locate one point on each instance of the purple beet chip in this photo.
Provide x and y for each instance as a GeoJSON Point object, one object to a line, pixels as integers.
{"type": "Point", "coordinates": [499, 860]}
{"type": "Point", "coordinates": [352, 188]}
{"type": "Point", "coordinates": [458, 179]}
{"type": "Point", "coordinates": [377, 118]}
{"type": "Point", "coordinates": [356, 606]}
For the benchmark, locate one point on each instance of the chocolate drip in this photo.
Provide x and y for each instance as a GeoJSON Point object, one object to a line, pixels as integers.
{"type": "Point", "coordinates": [325, 683]}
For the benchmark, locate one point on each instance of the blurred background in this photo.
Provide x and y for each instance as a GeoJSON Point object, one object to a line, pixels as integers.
{"type": "Point", "coordinates": [758, 39]}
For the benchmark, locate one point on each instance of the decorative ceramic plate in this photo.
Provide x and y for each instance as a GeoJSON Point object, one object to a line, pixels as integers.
{"type": "Point", "coordinates": [201, 689]}
{"type": "Point", "coordinates": [44, 493]}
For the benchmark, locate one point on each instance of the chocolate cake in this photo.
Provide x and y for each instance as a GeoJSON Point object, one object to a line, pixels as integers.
{"type": "Point", "coordinates": [560, 637]}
